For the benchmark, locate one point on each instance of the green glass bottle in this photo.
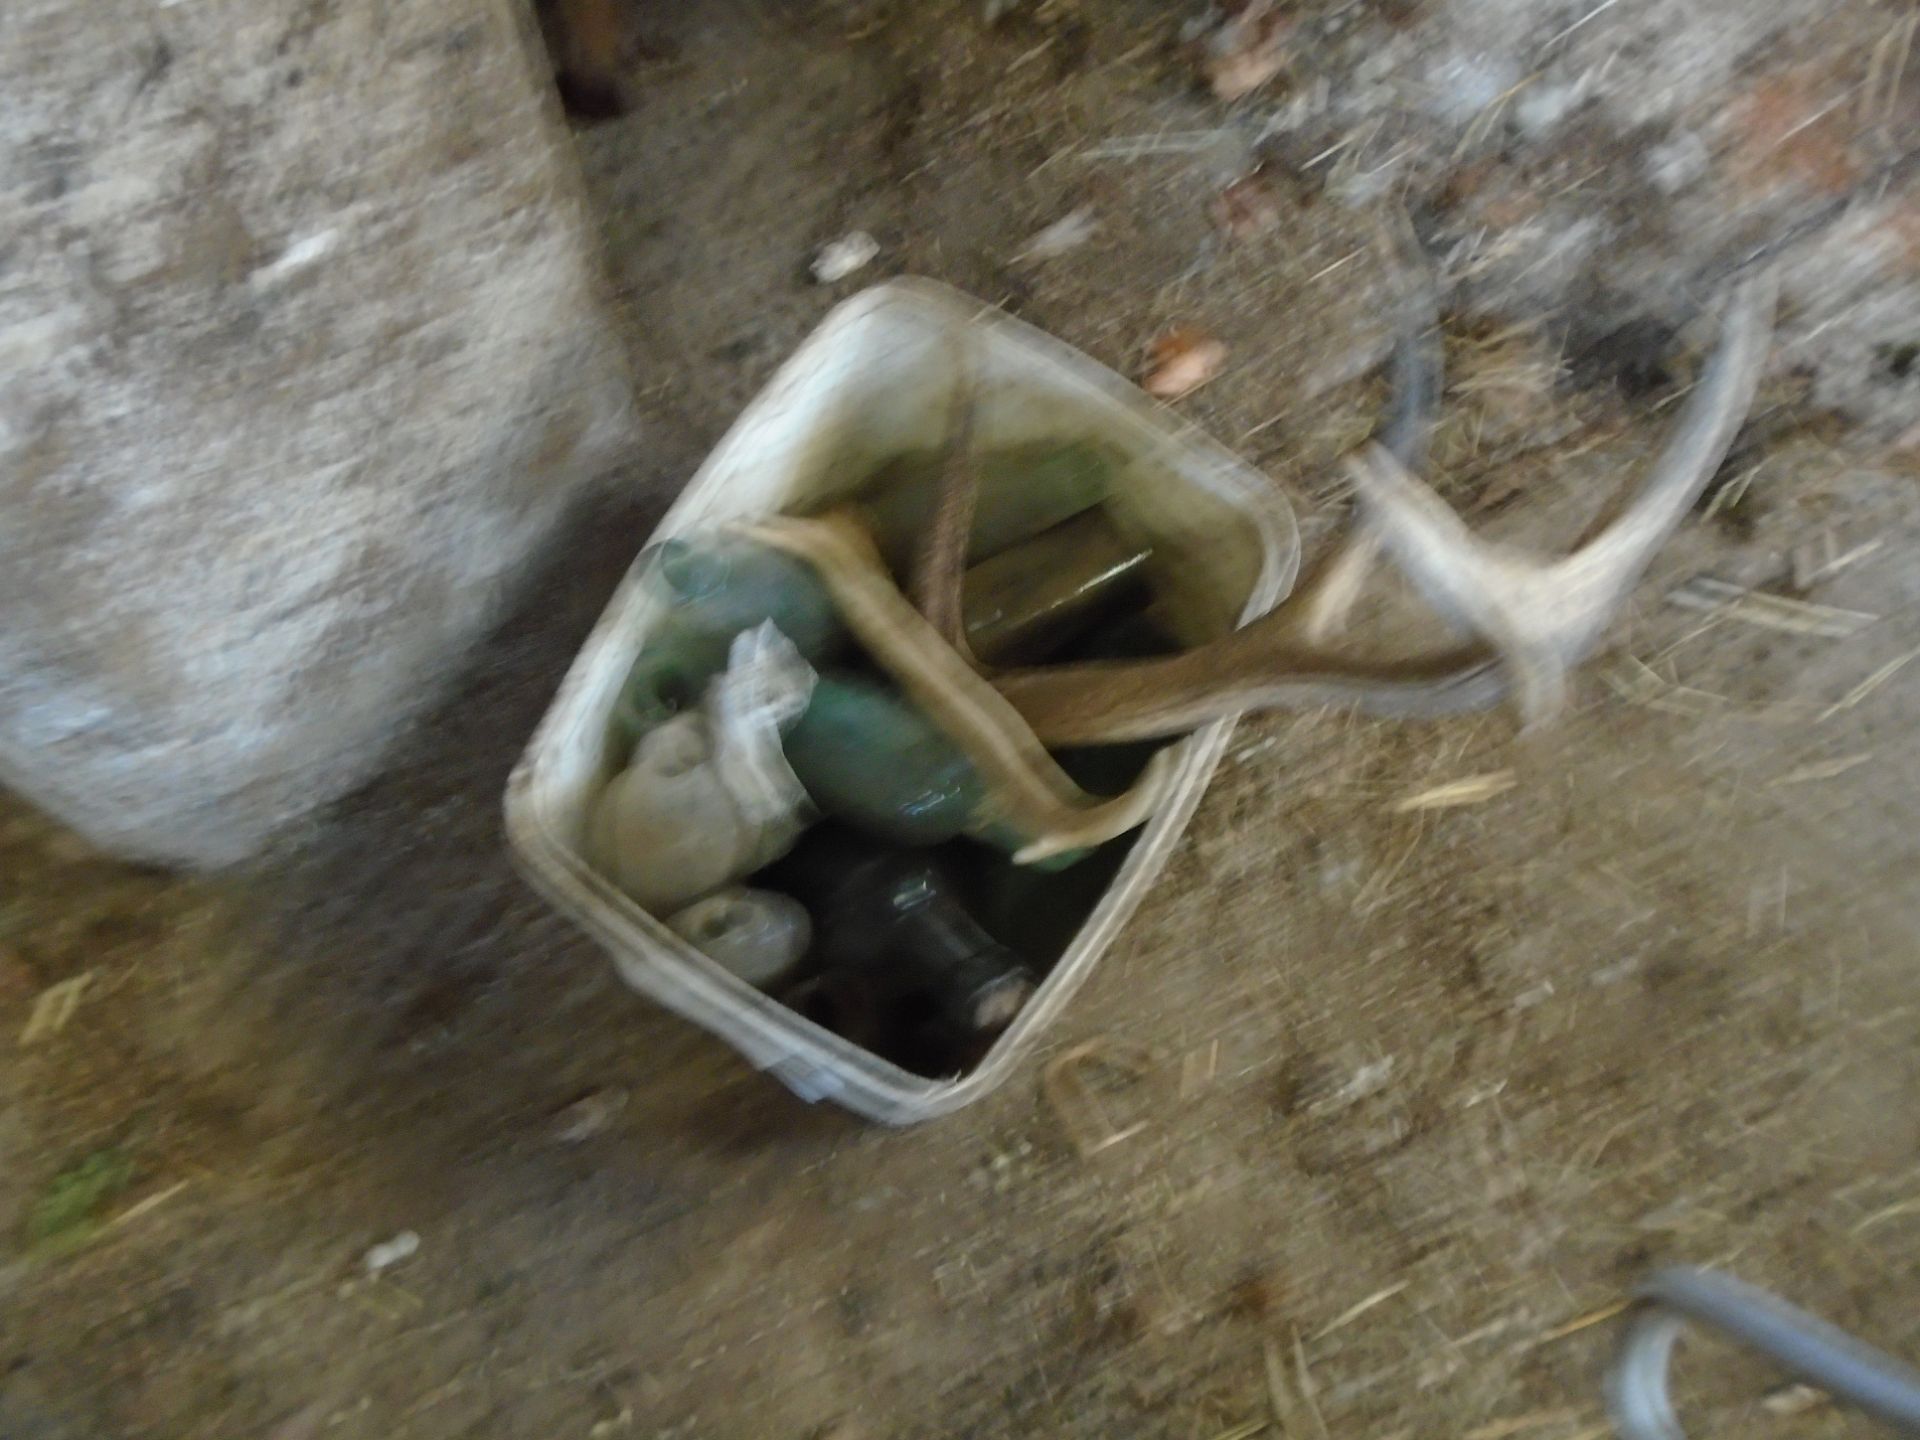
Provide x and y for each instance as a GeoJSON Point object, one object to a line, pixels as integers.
{"type": "Point", "coordinates": [1020, 604]}
{"type": "Point", "coordinates": [712, 590]}
{"type": "Point", "coordinates": [863, 752]}
{"type": "Point", "coordinates": [1022, 490]}
{"type": "Point", "coordinates": [867, 756]}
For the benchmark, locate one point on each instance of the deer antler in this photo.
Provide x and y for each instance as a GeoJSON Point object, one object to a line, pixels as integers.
{"type": "Point", "coordinates": [1544, 616]}
{"type": "Point", "coordinates": [1535, 619]}
{"type": "Point", "coordinates": [940, 561]}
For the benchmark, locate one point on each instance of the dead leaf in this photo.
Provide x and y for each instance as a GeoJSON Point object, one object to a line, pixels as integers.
{"type": "Point", "coordinates": [1248, 207]}
{"type": "Point", "coordinates": [1247, 48]}
{"type": "Point", "coordinates": [55, 1006]}
{"type": "Point", "coordinates": [1182, 360]}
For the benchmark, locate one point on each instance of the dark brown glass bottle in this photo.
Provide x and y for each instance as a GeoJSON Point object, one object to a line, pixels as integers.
{"type": "Point", "coordinates": [896, 947]}
{"type": "Point", "coordinates": [1028, 602]}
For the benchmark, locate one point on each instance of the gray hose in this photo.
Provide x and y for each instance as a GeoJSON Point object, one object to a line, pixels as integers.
{"type": "Point", "coordinates": [1418, 367]}
{"type": "Point", "coordinates": [1803, 1345]}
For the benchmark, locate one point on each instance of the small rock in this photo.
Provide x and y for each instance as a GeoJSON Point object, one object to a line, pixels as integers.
{"type": "Point", "coordinates": [1182, 361]}
{"type": "Point", "coordinates": [588, 1116]}
{"type": "Point", "coordinates": [840, 258]}
{"type": "Point", "coordinates": [1460, 85]}
{"type": "Point", "coordinates": [1362, 187]}
{"type": "Point", "coordinates": [1534, 995]}
{"type": "Point", "coordinates": [1794, 1400]}
{"type": "Point", "coordinates": [298, 256]}
{"type": "Point", "coordinates": [1618, 971]}
{"type": "Point", "coordinates": [1540, 109]}
{"type": "Point", "coordinates": [389, 1253]}
{"type": "Point", "coordinates": [1367, 1080]}
{"type": "Point", "coordinates": [1679, 161]}
{"type": "Point", "coordinates": [1069, 232]}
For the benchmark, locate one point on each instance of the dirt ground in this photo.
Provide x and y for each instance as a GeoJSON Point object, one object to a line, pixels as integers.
{"type": "Point", "coordinates": [1429, 1086]}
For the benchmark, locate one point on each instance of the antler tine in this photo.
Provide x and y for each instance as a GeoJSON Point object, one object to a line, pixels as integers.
{"type": "Point", "coordinates": [1543, 617]}
{"type": "Point", "coordinates": [1324, 597]}
{"type": "Point", "coordinates": [936, 584]}
{"type": "Point", "coordinates": [1418, 367]}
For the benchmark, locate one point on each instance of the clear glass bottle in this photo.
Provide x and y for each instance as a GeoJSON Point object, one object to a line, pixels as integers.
{"type": "Point", "coordinates": [666, 829]}
{"type": "Point", "coordinates": [760, 936]}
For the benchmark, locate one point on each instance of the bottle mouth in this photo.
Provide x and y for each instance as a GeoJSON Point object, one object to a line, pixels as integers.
{"type": "Point", "coordinates": [993, 1007]}
{"type": "Point", "coordinates": [655, 694]}
{"type": "Point", "coordinates": [720, 921]}
{"type": "Point", "coordinates": [683, 570]}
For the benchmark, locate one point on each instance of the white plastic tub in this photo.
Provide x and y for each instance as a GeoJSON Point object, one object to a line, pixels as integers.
{"type": "Point", "coordinates": [875, 381]}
